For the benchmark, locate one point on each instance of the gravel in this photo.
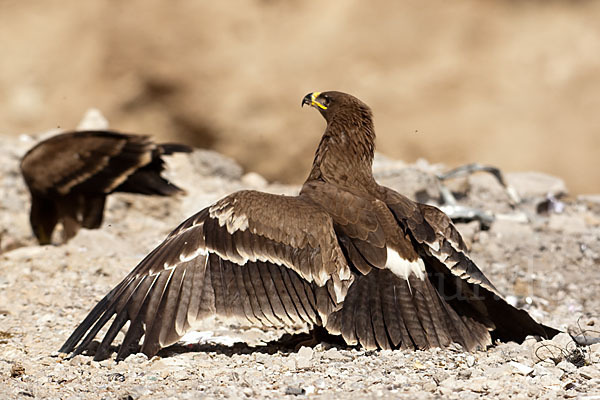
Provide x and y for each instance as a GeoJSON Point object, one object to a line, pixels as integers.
{"type": "Point", "coordinates": [547, 264]}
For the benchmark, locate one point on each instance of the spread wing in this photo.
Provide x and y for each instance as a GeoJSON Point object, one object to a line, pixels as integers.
{"type": "Point", "coordinates": [458, 280]}
{"type": "Point", "coordinates": [97, 160]}
{"type": "Point", "coordinates": [257, 257]}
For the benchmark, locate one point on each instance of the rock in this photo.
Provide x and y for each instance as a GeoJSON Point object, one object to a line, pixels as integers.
{"type": "Point", "coordinates": [548, 350]}
{"type": "Point", "coordinates": [536, 184]}
{"type": "Point", "coordinates": [93, 120]}
{"type": "Point", "coordinates": [477, 385]}
{"type": "Point", "coordinates": [511, 229]}
{"type": "Point", "coordinates": [564, 341]}
{"type": "Point", "coordinates": [116, 377]}
{"type": "Point", "coordinates": [554, 372]}
{"type": "Point", "coordinates": [139, 358]}
{"type": "Point", "coordinates": [211, 163]}
{"type": "Point", "coordinates": [566, 366]}
{"type": "Point", "coordinates": [294, 390]}
{"type": "Point", "coordinates": [567, 223]}
{"type": "Point", "coordinates": [589, 372]}
{"type": "Point", "coordinates": [304, 357]}
{"type": "Point", "coordinates": [519, 368]}
{"type": "Point", "coordinates": [468, 230]}
{"type": "Point", "coordinates": [16, 370]}
{"type": "Point", "coordinates": [412, 182]}
{"type": "Point", "coordinates": [334, 354]}
{"type": "Point", "coordinates": [595, 352]}
{"type": "Point", "coordinates": [470, 360]}
{"type": "Point", "coordinates": [430, 386]}
{"type": "Point", "coordinates": [254, 180]}
{"type": "Point", "coordinates": [465, 373]}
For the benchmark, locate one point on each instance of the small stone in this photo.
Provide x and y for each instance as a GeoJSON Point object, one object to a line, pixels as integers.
{"type": "Point", "coordinates": [595, 352]}
{"type": "Point", "coordinates": [138, 358]}
{"type": "Point", "coordinates": [548, 350]}
{"type": "Point", "coordinates": [290, 363]}
{"type": "Point", "coordinates": [334, 354]}
{"type": "Point", "coordinates": [430, 386]}
{"type": "Point", "coordinates": [93, 120]}
{"type": "Point", "coordinates": [16, 370]}
{"type": "Point", "coordinates": [294, 391]}
{"type": "Point", "coordinates": [564, 341]}
{"type": "Point", "coordinates": [456, 347]}
{"type": "Point", "coordinates": [535, 184]}
{"type": "Point", "coordinates": [78, 360]}
{"type": "Point", "coordinates": [465, 373]}
{"type": "Point", "coordinates": [589, 372]}
{"type": "Point", "coordinates": [304, 357]}
{"type": "Point", "coordinates": [419, 365]}
{"type": "Point", "coordinates": [519, 368]}
{"type": "Point", "coordinates": [478, 385]}
{"type": "Point", "coordinates": [254, 180]}
{"type": "Point", "coordinates": [116, 377]}
{"type": "Point", "coordinates": [552, 372]}
{"type": "Point", "coordinates": [567, 223]}
{"type": "Point", "coordinates": [566, 366]}
{"type": "Point", "coordinates": [108, 363]}
{"type": "Point", "coordinates": [470, 361]}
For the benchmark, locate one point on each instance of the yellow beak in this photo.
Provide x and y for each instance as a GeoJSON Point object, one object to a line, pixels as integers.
{"type": "Point", "coordinates": [311, 100]}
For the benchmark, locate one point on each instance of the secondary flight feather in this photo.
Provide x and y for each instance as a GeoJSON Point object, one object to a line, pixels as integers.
{"type": "Point", "coordinates": [346, 254]}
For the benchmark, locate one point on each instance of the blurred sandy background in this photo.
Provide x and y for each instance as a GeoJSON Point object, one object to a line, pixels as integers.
{"type": "Point", "coordinates": [511, 83]}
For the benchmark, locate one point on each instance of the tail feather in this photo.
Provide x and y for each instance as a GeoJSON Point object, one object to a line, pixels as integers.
{"type": "Point", "coordinates": [398, 313]}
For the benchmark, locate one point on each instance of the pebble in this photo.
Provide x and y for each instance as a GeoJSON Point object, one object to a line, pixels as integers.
{"type": "Point", "coordinates": [294, 390]}
{"type": "Point", "coordinates": [554, 372]}
{"type": "Point", "coordinates": [254, 180]}
{"type": "Point", "coordinates": [430, 386]}
{"type": "Point", "coordinates": [138, 358]}
{"type": "Point", "coordinates": [535, 184]}
{"type": "Point", "coordinates": [304, 357]}
{"type": "Point", "coordinates": [16, 370]}
{"type": "Point", "coordinates": [548, 350]}
{"type": "Point", "coordinates": [566, 366]}
{"type": "Point", "coordinates": [564, 341]}
{"type": "Point", "coordinates": [589, 372]}
{"type": "Point", "coordinates": [465, 373]}
{"type": "Point", "coordinates": [519, 368]}
{"type": "Point", "coordinates": [470, 360]}
{"type": "Point", "coordinates": [93, 120]}
{"type": "Point", "coordinates": [334, 354]}
{"type": "Point", "coordinates": [567, 224]}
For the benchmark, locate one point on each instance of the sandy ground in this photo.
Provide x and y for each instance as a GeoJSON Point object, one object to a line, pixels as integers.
{"type": "Point", "coordinates": [511, 83]}
{"type": "Point", "coordinates": [546, 263]}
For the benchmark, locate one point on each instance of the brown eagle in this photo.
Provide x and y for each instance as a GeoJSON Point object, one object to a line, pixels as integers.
{"type": "Point", "coordinates": [346, 254]}
{"type": "Point", "coordinates": [69, 176]}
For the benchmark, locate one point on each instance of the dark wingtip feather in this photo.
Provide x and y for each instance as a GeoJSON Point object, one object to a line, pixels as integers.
{"type": "Point", "coordinates": [96, 313]}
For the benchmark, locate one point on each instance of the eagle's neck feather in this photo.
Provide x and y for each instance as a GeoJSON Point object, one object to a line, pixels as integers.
{"type": "Point", "coordinates": [345, 153]}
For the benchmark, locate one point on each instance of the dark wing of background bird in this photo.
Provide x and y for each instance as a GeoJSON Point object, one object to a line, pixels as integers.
{"type": "Point", "coordinates": [252, 256]}
{"type": "Point", "coordinates": [69, 176]}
